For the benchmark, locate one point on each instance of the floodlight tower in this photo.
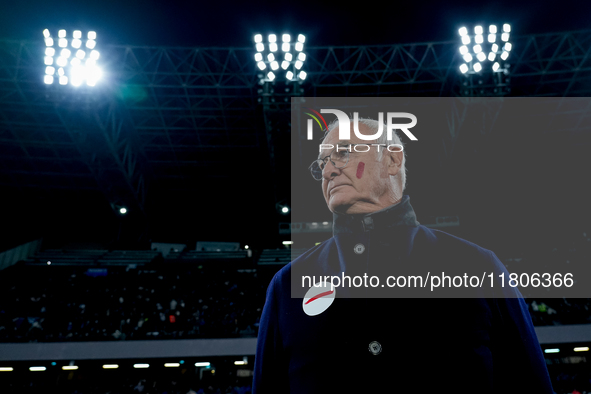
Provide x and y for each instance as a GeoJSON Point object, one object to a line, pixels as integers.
{"type": "Point", "coordinates": [485, 64]}
{"type": "Point", "coordinates": [280, 61]}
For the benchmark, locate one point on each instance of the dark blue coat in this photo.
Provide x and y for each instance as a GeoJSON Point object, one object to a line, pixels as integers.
{"type": "Point", "coordinates": [447, 345]}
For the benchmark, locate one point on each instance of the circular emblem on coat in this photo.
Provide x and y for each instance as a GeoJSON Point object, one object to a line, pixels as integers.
{"type": "Point", "coordinates": [318, 298]}
{"type": "Point", "coordinates": [375, 348]}
{"type": "Point", "coordinates": [359, 248]}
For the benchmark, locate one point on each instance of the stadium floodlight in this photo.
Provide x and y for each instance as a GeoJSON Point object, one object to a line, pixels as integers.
{"type": "Point", "coordinates": [475, 57]}
{"type": "Point", "coordinates": [496, 66]}
{"type": "Point", "coordinates": [37, 368]}
{"type": "Point", "coordinates": [302, 75]}
{"type": "Point", "coordinates": [70, 367]}
{"type": "Point", "coordinates": [68, 59]}
{"type": "Point", "coordinates": [267, 55]}
{"type": "Point", "coordinates": [110, 366]}
{"type": "Point", "coordinates": [141, 365]}
{"type": "Point", "coordinates": [202, 364]}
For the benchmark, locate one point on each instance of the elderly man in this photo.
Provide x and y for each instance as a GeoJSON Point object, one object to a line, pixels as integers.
{"type": "Point", "coordinates": [353, 344]}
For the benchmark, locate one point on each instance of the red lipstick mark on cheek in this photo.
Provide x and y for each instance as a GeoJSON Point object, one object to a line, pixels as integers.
{"type": "Point", "coordinates": [360, 168]}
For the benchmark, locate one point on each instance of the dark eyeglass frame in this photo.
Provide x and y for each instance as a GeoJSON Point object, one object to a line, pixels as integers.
{"type": "Point", "coordinates": [322, 162]}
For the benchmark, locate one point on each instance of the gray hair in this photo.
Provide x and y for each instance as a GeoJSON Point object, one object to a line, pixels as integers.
{"type": "Point", "coordinates": [373, 126]}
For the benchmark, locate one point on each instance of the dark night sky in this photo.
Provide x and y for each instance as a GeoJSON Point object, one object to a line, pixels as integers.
{"type": "Point", "coordinates": [221, 23]}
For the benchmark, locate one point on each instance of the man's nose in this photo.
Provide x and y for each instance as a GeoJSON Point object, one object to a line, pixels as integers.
{"type": "Point", "coordinates": [330, 171]}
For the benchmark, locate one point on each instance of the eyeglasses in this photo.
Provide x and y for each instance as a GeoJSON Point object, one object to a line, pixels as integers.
{"type": "Point", "coordinates": [339, 158]}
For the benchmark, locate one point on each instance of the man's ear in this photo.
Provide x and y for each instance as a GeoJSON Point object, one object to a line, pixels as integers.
{"type": "Point", "coordinates": [394, 162]}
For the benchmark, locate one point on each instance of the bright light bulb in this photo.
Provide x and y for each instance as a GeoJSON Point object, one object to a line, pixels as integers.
{"type": "Point", "coordinates": [302, 75]}
{"type": "Point", "coordinates": [75, 61]}
{"type": "Point", "coordinates": [492, 29]}
{"type": "Point", "coordinates": [479, 39]}
{"type": "Point", "coordinates": [49, 51]}
{"type": "Point", "coordinates": [48, 79]}
{"type": "Point", "coordinates": [270, 57]}
{"type": "Point", "coordinates": [49, 70]}
{"type": "Point", "coordinates": [258, 57]}
{"type": "Point", "coordinates": [301, 38]}
{"type": "Point", "coordinates": [505, 37]}
{"type": "Point", "coordinates": [60, 72]}
{"type": "Point", "coordinates": [302, 56]}
{"type": "Point", "coordinates": [63, 42]}
{"type": "Point", "coordinates": [61, 33]}
{"type": "Point", "coordinates": [261, 65]}
{"type": "Point", "coordinates": [477, 67]}
{"type": "Point", "coordinates": [508, 46]}
{"type": "Point", "coordinates": [270, 75]}
{"type": "Point", "coordinates": [273, 47]}
{"type": "Point", "coordinates": [496, 66]}
{"type": "Point", "coordinates": [61, 61]}
{"type": "Point", "coordinates": [46, 33]}
{"type": "Point", "coordinates": [492, 37]}
{"type": "Point", "coordinates": [80, 54]}
{"type": "Point", "coordinates": [463, 50]}
{"type": "Point", "coordinates": [48, 60]}
{"type": "Point", "coordinates": [90, 44]}
{"type": "Point", "coordinates": [94, 54]}
{"type": "Point", "coordinates": [477, 49]}
{"type": "Point", "coordinates": [464, 68]}
{"type": "Point", "coordinates": [92, 35]}
{"type": "Point", "coordinates": [288, 57]}
{"type": "Point", "coordinates": [481, 56]}
{"type": "Point", "coordinates": [504, 55]}
{"type": "Point", "coordinates": [260, 47]}
{"type": "Point", "coordinates": [272, 38]}
{"type": "Point", "coordinates": [463, 31]}
{"type": "Point", "coordinates": [274, 65]}
{"type": "Point", "coordinates": [286, 38]}
{"type": "Point", "coordinates": [467, 58]}
{"type": "Point", "coordinates": [299, 46]}
{"type": "Point", "coordinates": [76, 43]}
{"type": "Point", "coordinates": [289, 75]}
{"type": "Point", "coordinates": [507, 28]}
{"type": "Point", "coordinates": [495, 48]}
{"type": "Point", "coordinates": [478, 30]}
{"type": "Point", "coordinates": [65, 53]}
{"type": "Point", "coordinates": [465, 40]}
{"type": "Point", "coordinates": [299, 64]}
{"type": "Point", "coordinates": [63, 80]}
{"type": "Point", "coordinates": [491, 56]}
{"type": "Point", "coordinates": [284, 64]}
{"type": "Point", "coordinates": [49, 41]}
{"type": "Point", "coordinates": [258, 38]}
{"type": "Point", "coordinates": [285, 47]}
{"type": "Point", "coordinates": [77, 34]}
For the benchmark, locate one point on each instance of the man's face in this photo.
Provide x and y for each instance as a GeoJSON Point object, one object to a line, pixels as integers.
{"type": "Point", "coordinates": [364, 185]}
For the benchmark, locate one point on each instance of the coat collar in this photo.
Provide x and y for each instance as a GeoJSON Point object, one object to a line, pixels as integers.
{"type": "Point", "coordinates": [400, 214]}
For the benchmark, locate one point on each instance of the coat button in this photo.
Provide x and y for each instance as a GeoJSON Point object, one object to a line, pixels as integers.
{"type": "Point", "coordinates": [375, 348]}
{"type": "Point", "coordinates": [359, 248]}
